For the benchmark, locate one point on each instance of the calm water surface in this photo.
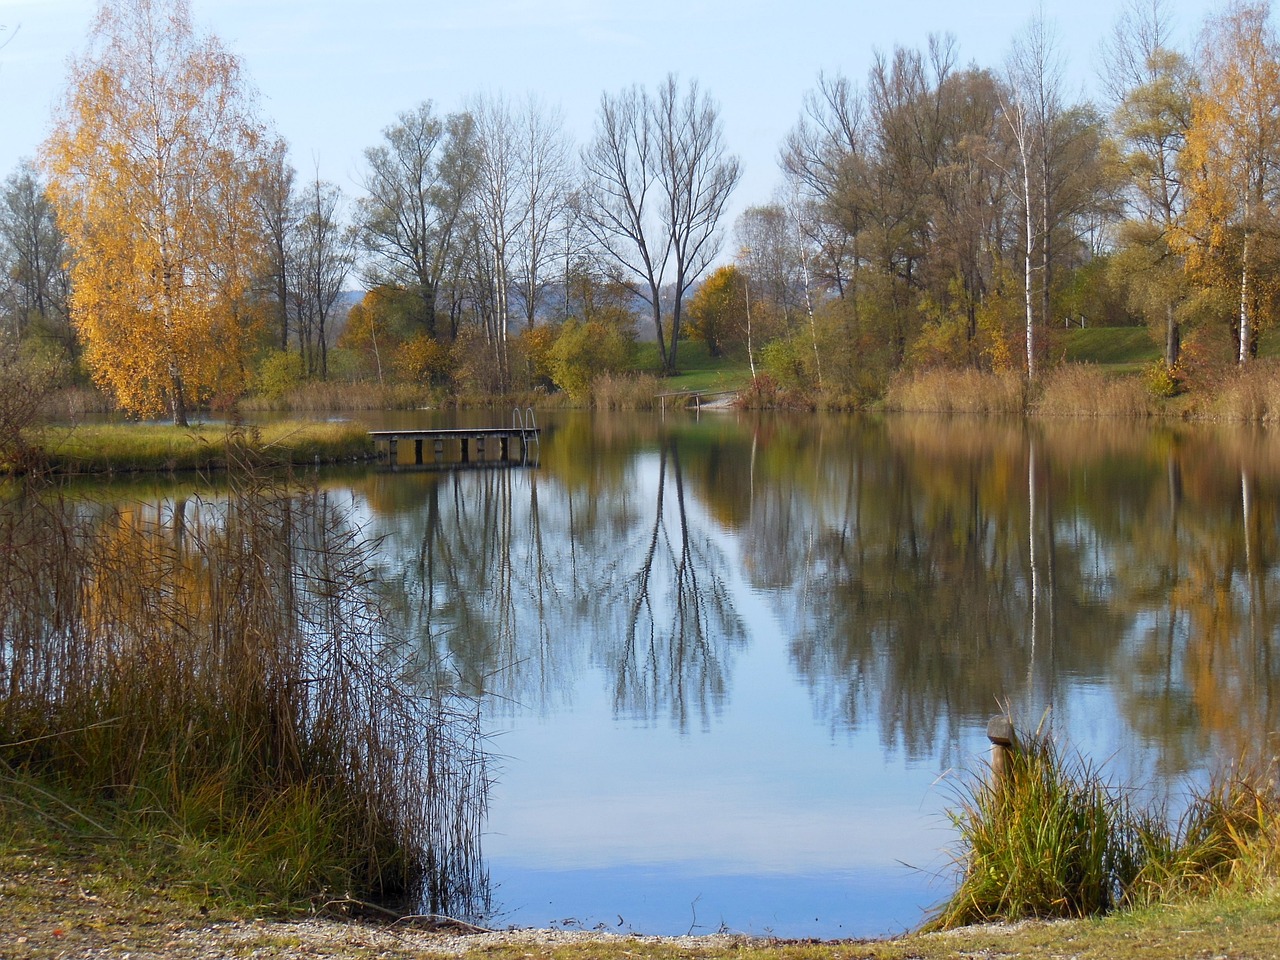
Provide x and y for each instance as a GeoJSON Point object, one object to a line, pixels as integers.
{"type": "Point", "coordinates": [734, 668]}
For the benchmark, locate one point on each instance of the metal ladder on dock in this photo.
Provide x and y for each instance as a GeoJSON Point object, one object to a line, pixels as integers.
{"type": "Point", "coordinates": [527, 424]}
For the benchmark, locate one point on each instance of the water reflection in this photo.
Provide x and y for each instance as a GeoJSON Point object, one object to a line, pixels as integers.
{"type": "Point", "coordinates": [729, 659]}
{"type": "Point", "coordinates": [918, 575]}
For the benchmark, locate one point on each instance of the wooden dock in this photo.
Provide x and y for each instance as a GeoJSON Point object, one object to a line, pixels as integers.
{"type": "Point", "coordinates": [690, 398]}
{"type": "Point", "coordinates": [458, 446]}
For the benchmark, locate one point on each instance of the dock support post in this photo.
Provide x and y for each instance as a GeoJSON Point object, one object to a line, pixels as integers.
{"type": "Point", "coordinates": [1000, 733]}
{"type": "Point", "coordinates": [439, 449]}
{"type": "Point", "coordinates": [391, 451]}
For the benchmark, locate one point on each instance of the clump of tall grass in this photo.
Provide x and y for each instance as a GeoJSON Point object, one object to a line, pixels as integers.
{"type": "Point", "coordinates": [1048, 839]}
{"type": "Point", "coordinates": [625, 391]}
{"type": "Point", "coordinates": [957, 391]}
{"type": "Point", "coordinates": [1085, 390]}
{"type": "Point", "coordinates": [1250, 394]}
{"type": "Point", "coordinates": [1052, 838]}
{"type": "Point", "coordinates": [1229, 838]}
{"type": "Point", "coordinates": [222, 670]}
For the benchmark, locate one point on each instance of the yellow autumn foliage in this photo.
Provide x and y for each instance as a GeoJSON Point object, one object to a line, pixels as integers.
{"type": "Point", "coordinates": [152, 165]}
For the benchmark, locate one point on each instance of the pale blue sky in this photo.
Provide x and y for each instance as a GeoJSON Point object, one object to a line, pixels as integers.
{"type": "Point", "coordinates": [333, 74]}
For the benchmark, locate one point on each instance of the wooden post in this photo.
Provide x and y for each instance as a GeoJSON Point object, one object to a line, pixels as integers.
{"type": "Point", "coordinates": [1000, 733]}
{"type": "Point", "coordinates": [391, 451]}
{"type": "Point", "coordinates": [439, 445]}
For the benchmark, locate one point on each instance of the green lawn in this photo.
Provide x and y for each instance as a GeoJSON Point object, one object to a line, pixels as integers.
{"type": "Point", "coordinates": [1128, 347]}
{"type": "Point", "coordinates": [698, 370]}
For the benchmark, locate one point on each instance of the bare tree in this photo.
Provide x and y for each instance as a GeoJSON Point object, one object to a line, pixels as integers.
{"type": "Point", "coordinates": [33, 254]}
{"type": "Point", "coordinates": [548, 173]}
{"type": "Point", "coordinates": [322, 257]}
{"type": "Point", "coordinates": [418, 184]}
{"type": "Point", "coordinates": [658, 182]}
{"type": "Point", "coordinates": [274, 198]}
{"type": "Point", "coordinates": [823, 160]}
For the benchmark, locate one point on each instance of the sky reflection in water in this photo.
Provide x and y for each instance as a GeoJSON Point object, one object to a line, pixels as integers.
{"type": "Point", "coordinates": [732, 668]}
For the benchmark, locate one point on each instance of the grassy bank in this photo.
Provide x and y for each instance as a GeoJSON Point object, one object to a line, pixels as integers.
{"type": "Point", "coordinates": [212, 690]}
{"type": "Point", "coordinates": [125, 448]}
{"type": "Point", "coordinates": [69, 889]}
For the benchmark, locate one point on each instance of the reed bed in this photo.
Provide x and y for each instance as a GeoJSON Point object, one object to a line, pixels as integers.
{"type": "Point", "coordinates": [957, 391]}
{"type": "Point", "coordinates": [1053, 838]}
{"type": "Point", "coordinates": [1250, 394]}
{"type": "Point", "coordinates": [329, 396]}
{"type": "Point", "coordinates": [221, 673]}
{"type": "Point", "coordinates": [1085, 390]}
{"type": "Point", "coordinates": [625, 391]}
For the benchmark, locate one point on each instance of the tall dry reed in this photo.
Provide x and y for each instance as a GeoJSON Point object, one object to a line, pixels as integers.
{"type": "Point", "coordinates": [224, 667]}
{"type": "Point", "coordinates": [625, 391]}
{"type": "Point", "coordinates": [1084, 390]}
{"type": "Point", "coordinates": [1250, 394]}
{"type": "Point", "coordinates": [957, 391]}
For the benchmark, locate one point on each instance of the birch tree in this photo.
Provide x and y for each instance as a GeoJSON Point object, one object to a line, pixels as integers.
{"type": "Point", "coordinates": [1151, 86]}
{"type": "Point", "coordinates": [1232, 166]}
{"type": "Point", "coordinates": [151, 164]}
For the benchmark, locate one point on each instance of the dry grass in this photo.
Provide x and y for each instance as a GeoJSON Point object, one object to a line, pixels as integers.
{"type": "Point", "coordinates": [1085, 390]}
{"type": "Point", "coordinates": [219, 674]}
{"type": "Point", "coordinates": [1250, 395]}
{"type": "Point", "coordinates": [132, 447]}
{"type": "Point", "coordinates": [625, 391]}
{"type": "Point", "coordinates": [328, 396]}
{"type": "Point", "coordinates": [957, 391]}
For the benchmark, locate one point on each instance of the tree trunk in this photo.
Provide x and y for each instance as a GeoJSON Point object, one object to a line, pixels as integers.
{"type": "Point", "coordinates": [178, 398]}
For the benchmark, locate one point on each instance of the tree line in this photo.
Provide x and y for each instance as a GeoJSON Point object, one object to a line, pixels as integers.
{"type": "Point", "coordinates": [931, 214]}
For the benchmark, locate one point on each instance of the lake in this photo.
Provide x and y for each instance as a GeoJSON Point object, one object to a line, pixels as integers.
{"type": "Point", "coordinates": [733, 669]}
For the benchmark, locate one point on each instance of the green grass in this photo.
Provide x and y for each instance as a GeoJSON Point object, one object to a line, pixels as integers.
{"type": "Point", "coordinates": [697, 369]}
{"type": "Point", "coordinates": [1052, 838]}
{"type": "Point", "coordinates": [126, 448]}
{"type": "Point", "coordinates": [1129, 348]}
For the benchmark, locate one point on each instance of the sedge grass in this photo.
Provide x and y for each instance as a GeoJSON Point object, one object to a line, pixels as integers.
{"type": "Point", "coordinates": [1039, 842]}
{"type": "Point", "coordinates": [221, 673]}
{"type": "Point", "coordinates": [1052, 838]}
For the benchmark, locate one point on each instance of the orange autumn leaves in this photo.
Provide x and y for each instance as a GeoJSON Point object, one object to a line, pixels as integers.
{"type": "Point", "coordinates": [152, 164]}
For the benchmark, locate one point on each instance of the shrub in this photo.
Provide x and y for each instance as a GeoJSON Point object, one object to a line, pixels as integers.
{"type": "Point", "coordinates": [279, 373]}
{"type": "Point", "coordinates": [583, 351]}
